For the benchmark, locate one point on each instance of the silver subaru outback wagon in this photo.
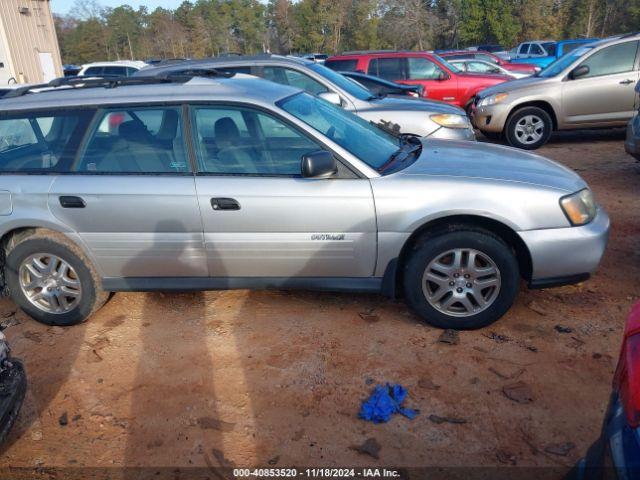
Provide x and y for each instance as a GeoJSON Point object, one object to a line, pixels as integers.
{"type": "Point", "coordinates": [192, 183]}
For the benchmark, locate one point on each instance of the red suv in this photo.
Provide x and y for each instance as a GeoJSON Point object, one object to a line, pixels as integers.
{"type": "Point", "coordinates": [439, 79]}
{"type": "Point", "coordinates": [490, 57]}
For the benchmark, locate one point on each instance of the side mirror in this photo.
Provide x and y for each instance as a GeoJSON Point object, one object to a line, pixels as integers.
{"type": "Point", "coordinates": [331, 97]}
{"type": "Point", "coordinates": [578, 72]}
{"type": "Point", "coordinates": [442, 76]}
{"type": "Point", "coordinates": [320, 164]}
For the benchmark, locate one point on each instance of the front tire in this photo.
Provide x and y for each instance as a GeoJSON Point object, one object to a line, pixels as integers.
{"type": "Point", "coordinates": [528, 128]}
{"type": "Point", "coordinates": [51, 280]}
{"type": "Point", "coordinates": [463, 279]}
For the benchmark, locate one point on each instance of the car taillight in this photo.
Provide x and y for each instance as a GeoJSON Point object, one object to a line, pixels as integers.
{"type": "Point", "coordinates": [627, 378]}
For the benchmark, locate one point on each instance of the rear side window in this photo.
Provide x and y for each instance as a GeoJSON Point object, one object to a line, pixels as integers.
{"type": "Point", "coordinates": [41, 142]}
{"type": "Point", "coordinates": [524, 48]}
{"type": "Point", "coordinates": [136, 140]}
{"type": "Point", "coordinates": [388, 68]}
{"type": "Point", "coordinates": [342, 65]}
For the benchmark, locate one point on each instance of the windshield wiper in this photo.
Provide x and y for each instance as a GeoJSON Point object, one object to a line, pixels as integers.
{"type": "Point", "coordinates": [403, 153]}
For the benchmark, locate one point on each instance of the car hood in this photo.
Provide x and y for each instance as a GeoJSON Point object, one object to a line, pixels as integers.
{"type": "Point", "coordinates": [515, 85]}
{"type": "Point", "coordinates": [493, 162]}
{"type": "Point", "coordinates": [413, 104]}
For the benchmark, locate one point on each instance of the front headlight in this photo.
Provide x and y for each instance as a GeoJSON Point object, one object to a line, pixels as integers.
{"type": "Point", "coordinates": [493, 99]}
{"type": "Point", "coordinates": [580, 207]}
{"type": "Point", "coordinates": [451, 120]}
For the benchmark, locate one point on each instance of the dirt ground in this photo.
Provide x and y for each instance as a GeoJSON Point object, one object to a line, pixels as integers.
{"type": "Point", "coordinates": [264, 379]}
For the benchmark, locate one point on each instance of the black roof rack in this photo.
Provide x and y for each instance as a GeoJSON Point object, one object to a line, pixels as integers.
{"type": "Point", "coordinates": [187, 74]}
{"type": "Point", "coordinates": [106, 81]}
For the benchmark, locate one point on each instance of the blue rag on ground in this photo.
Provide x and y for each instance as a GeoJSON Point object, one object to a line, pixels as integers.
{"type": "Point", "coordinates": [384, 402]}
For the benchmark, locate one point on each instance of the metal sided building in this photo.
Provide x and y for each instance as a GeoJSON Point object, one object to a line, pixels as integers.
{"type": "Point", "coordinates": [29, 51]}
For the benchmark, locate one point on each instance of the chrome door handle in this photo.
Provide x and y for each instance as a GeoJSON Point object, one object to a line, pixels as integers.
{"type": "Point", "coordinates": [626, 82]}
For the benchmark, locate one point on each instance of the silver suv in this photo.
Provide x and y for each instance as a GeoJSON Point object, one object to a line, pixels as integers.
{"type": "Point", "coordinates": [591, 87]}
{"type": "Point", "coordinates": [417, 117]}
{"type": "Point", "coordinates": [181, 183]}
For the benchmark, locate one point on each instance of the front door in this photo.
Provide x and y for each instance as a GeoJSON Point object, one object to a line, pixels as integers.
{"type": "Point", "coordinates": [131, 196]}
{"type": "Point", "coordinates": [605, 95]}
{"type": "Point", "coordinates": [260, 217]}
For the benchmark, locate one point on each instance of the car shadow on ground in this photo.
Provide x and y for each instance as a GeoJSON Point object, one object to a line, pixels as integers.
{"type": "Point", "coordinates": [559, 139]}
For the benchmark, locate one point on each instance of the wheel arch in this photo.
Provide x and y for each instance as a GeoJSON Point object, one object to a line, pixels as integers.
{"type": "Point", "coordinates": [542, 104]}
{"type": "Point", "coordinates": [16, 232]}
{"type": "Point", "coordinates": [392, 282]}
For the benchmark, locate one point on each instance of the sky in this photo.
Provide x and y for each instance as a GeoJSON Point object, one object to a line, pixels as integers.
{"type": "Point", "coordinates": [63, 6]}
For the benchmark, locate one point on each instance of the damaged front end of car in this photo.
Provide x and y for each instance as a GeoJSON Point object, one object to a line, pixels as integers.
{"type": "Point", "coordinates": [13, 386]}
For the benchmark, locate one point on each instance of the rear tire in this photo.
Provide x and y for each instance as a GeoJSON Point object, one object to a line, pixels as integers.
{"type": "Point", "coordinates": [528, 128]}
{"type": "Point", "coordinates": [471, 293]}
{"type": "Point", "coordinates": [52, 280]}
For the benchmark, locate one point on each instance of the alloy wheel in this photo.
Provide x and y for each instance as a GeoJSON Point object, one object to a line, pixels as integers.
{"type": "Point", "coordinates": [50, 283]}
{"type": "Point", "coordinates": [461, 282]}
{"type": "Point", "coordinates": [529, 129]}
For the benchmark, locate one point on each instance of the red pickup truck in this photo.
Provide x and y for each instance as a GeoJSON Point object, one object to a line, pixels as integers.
{"type": "Point", "coordinates": [439, 79]}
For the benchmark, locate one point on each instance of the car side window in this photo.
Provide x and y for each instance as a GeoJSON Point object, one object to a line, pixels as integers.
{"type": "Point", "coordinates": [94, 71]}
{"type": "Point", "coordinates": [41, 141]}
{"type": "Point", "coordinates": [115, 71]}
{"type": "Point", "coordinates": [243, 141]}
{"type": "Point", "coordinates": [524, 49]}
{"type": "Point", "coordinates": [136, 140]}
{"type": "Point", "coordinates": [617, 58]}
{"type": "Point", "coordinates": [423, 69]}
{"type": "Point", "coordinates": [479, 67]}
{"type": "Point", "coordinates": [287, 76]}
{"type": "Point", "coordinates": [392, 68]}
{"type": "Point", "coordinates": [536, 49]}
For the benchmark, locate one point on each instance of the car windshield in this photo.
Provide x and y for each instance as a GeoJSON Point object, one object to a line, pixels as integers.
{"type": "Point", "coordinates": [557, 67]}
{"type": "Point", "coordinates": [450, 66]}
{"type": "Point", "coordinates": [342, 82]}
{"type": "Point", "coordinates": [362, 139]}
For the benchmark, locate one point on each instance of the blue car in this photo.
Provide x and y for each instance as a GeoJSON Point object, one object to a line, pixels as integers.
{"type": "Point", "coordinates": [542, 53]}
{"type": "Point", "coordinates": [616, 454]}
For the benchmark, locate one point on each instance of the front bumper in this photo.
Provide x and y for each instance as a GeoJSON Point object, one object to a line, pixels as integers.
{"type": "Point", "coordinates": [632, 141]}
{"type": "Point", "coordinates": [491, 118]}
{"type": "Point", "coordinates": [616, 454]}
{"type": "Point", "coordinates": [570, 252]}
{"type": "Point", "coordinates": [453, 134]}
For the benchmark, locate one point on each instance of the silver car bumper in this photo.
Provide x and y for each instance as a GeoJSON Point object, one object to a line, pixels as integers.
{"type": "Point", "coordinates": [453, 134]}
{"type": "Point", "coordinates": [566, 255]}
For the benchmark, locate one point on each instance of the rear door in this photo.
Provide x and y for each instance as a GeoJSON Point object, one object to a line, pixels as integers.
{"type": "Point", "coordinates": [131, 196]}
{"type": "Point", "coordinates": [606, 95]}
{"type": "Point", "coordinates": [34, 148]}
{"type": "Point", "coordinates": [260, 217]}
